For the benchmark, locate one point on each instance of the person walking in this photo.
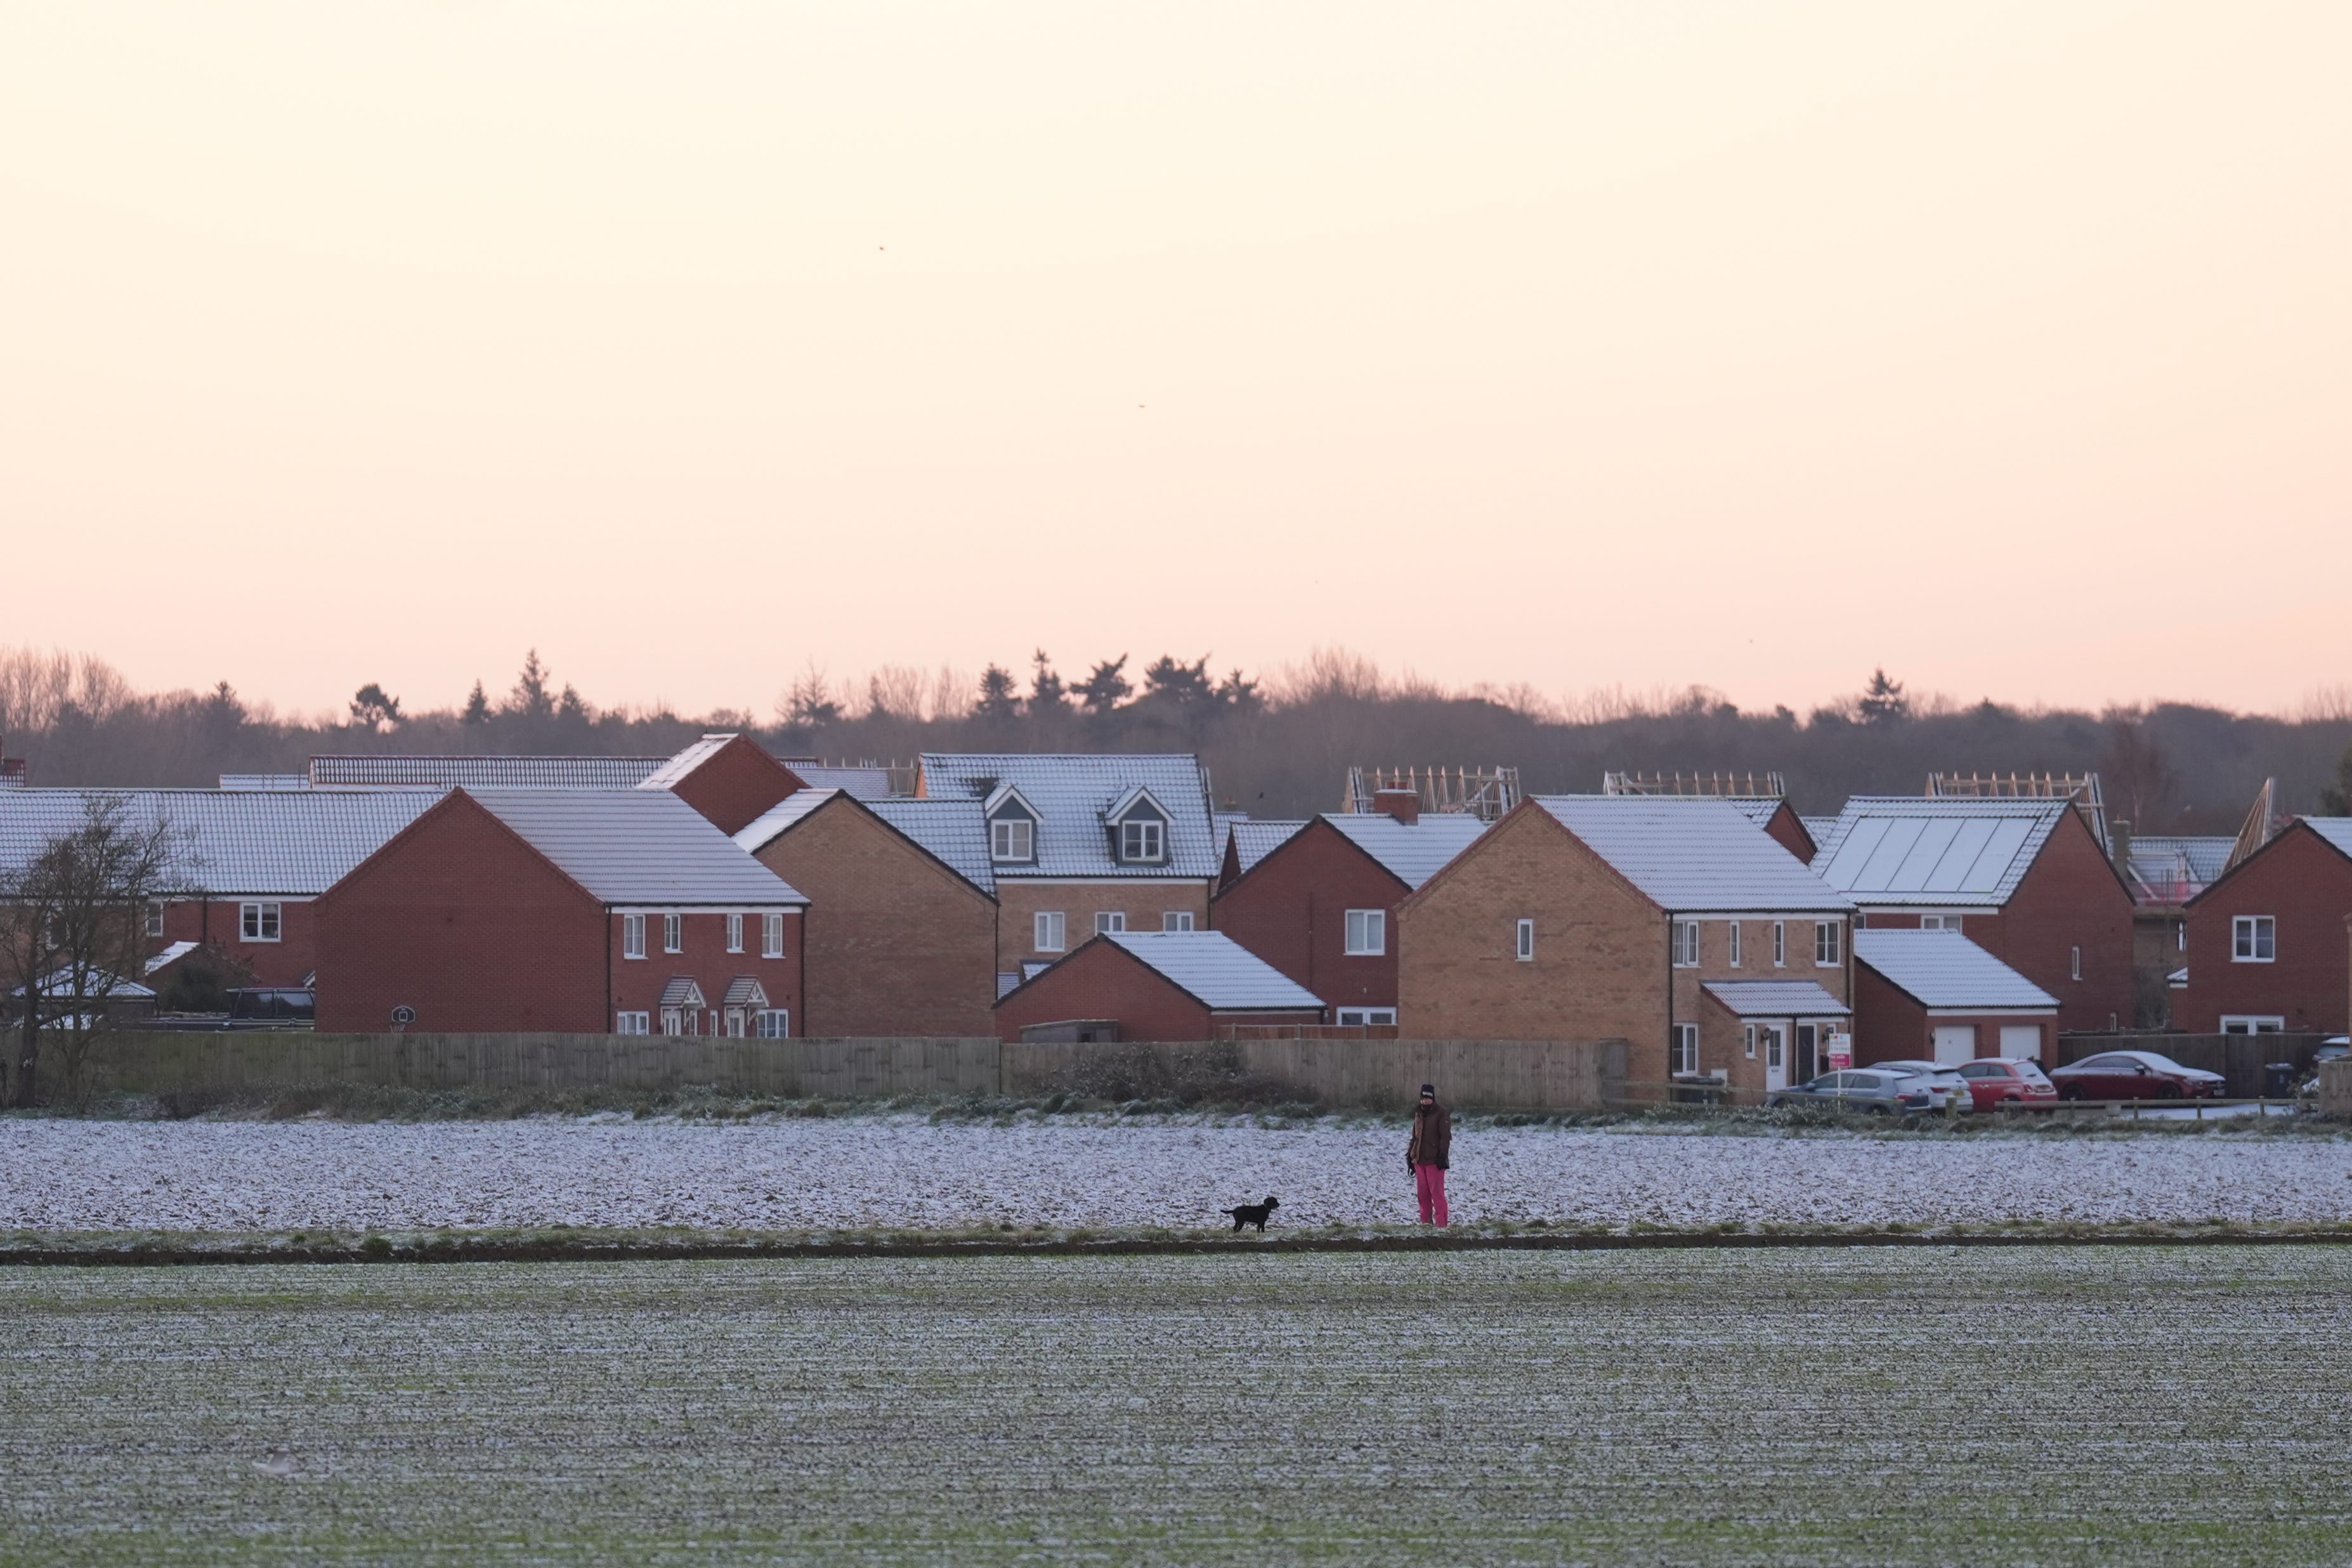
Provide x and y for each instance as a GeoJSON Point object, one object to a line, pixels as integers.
{"type": "Point", "coordinates": [1428, 1152]}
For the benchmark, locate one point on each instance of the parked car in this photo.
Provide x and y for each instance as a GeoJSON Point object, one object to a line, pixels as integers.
{"type": "Point", "coordinates": [2005, 1080]}
{"type": "Point", "coordinates": [2335, 1047]}
{"type": "Point", "coordinates": [2134, 1075]}
{"type": "Point", "coordinates": [1946, 1086]}
{"type": "Point", "coordinates": [1881, 1091]}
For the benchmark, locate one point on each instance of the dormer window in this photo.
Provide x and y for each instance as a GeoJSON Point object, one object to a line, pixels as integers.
{"type": "Point", "coordinates": [1142, 839]}
{"type": "Point", "coordinates": [1012, 838]}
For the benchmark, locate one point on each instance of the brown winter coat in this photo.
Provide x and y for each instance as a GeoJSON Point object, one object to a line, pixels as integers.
{"type": "Point", "coordinates": [1432, 1142]}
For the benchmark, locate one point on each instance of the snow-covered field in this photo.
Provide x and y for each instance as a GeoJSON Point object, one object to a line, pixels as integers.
{"type": "Point", "coordinates": [902, 1172]}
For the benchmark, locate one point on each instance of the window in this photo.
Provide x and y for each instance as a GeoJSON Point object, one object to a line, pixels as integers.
{"type": "Point", "coordinates": [1685, 943]}
{"type": "Point", "coordinates": [2181, 936]}
{"type": "Point", "coordinates": [681, 1020]}
{"type": "Point", "coordinates": [1780, 943]}
{"type": "Point", "coordinates": [771, 936]}
{"type": "Point", "coordinates": [632, 936]}
{"type": "Point", "coordinates": [1011, 838]}
{"type": "Point", "coordinates": [260, 923]}
{"type": "Point", "coordinates": [1774, 1055]}
{"type": "Point", "coordinates": [1141, 838]}
{"type": "Point", "coordinates": [2249, 1024]}
{"type": "Point", "coordinates": [1108, 921]}
{"type": "Point", "coordinates": [1048, 930]}
{"type": "Point", "coordinates": [734, 934]}
{"type": "Point", "coordinates": [672, 933]}
{"type": "Point", "coordinates": [154, 917]}
{"type": "Point", "coordinates": [632, 1024]}
{"type": "Point", "coordinates": [1368, 930]}
{"type": "Point", "coordinates": [1750, 1033]}
{"type": "Point", "coordinates": [1176, 919]}
{"type": "Point", "coordinates": [1829, 944]}
{"type": "Point", "coordinates": [1735, 944]}
{"type": "Point", "coordinates": [731, 1025]}
{"type": "Point", "coordinates": [1940, 922]}
{"type": "Point", "coordinates": [1360, 1016]}
{"type": "Point", "coordinates": [1682, 1049]}
{"type": "Point", "coordinates": [1526, 940]}
{"type": "Point", "coordinates": [773, 1023]}
{"type": "Point", "coordinates": [2253, 938]}
{"type": "Point", "coordinates": [2077, 962]}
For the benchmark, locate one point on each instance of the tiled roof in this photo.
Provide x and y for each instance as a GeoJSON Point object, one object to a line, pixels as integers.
{"type": "Point", "coordinates": [953, 831]}
{"type": "Point", "coordinates": [265, 780]}
{"type": "Point", "coordinates": [745, 991]}
{"type": "Point", "coordinates": [2337, 830]}
{"type": "Point", "coordinates": [1777, 999]}
{"type": "Point", "coordinates": [674, 771]}
{"type": "Point", "coordinates": [680, 991]}
{"type": "Point", "coordinates": [1071, 793]}
{"type": "Point", "coordinates": [1255, 838]}
{"type": "Point", "coordinates": [171, 956]}
{"type": "Point", "coordinates": [1818, 828]}
{"type": "Point", "coordinates": [293, 843]}
{"type": "Point", "coordinates": [1413, 852]}
{"type": "Point", "coordinates": [1215, 969]}
{"type": "Point", "coordinates": [1691, 852]}
{"type": "Point", "coordinates": [502, 773]}
{"type": "Point", "coordinates": [1949, 851]}
{"type": "Point", "coordinates": [97, 984]}
{"type": "Point", "coordinates": [2172, 870]}
{"type": "Point", "coordinates": [762, 830]}
{"type": "Point", "coordinates": [637, 846]}
{"type": "Point", "coordinates": [1759, 808]}
{"type": "Point", "coordinates": [865, 784]}
{"type": "Point", "coordinates": [1944, 969]}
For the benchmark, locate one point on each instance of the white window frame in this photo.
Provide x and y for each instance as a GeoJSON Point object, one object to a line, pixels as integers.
{"type": "Point", "coordinates": [2252, 1023]}
{"type": "Point", "coordinates": [1687, 944]}
{"type": "Point", "coordinates": [1049, 931]}
{"type": "Point", "coordinates": [261, 921]}
{"type": "Point", "coordinates": [772, 1023]}
{"type": "Point", "coordinates": [154, 917]}
{"type": "Point", "coordinates": [771, 936]}
{"type": "Point", "coordinates": [1006, 844]}
{"type": "Point", "coordinates": [1176, 919]}
{"type": "Point", "coordinates": [1829, 944]}
{"type": "Point", "coordinates": [632, 936]}
{"type": "Point", "coordinates": [1109, 920]}
{"type": "Point", "coordinates": [733, 1026]}
{"type": "Point", "coordinates": [627, 1023]}
{"type": "Point", "coordinates": [2247, 939]}
{"type": "Point", "coordinates": [1749, 1032]}
{"type": "Point", "coordinates": [1682, 1049]}
{"type": "Point", "coordinates": [1367, 1018]}
{"type": "Point", "coordinates": [1523, 940]}
{"type": "Point", "coordinates": [2076, 962]}
{"type": "Point", "coordinates": [1366, 934]}
{"type": "Point", "coordinates": [735, 933]}
{"type": "Point", "coordinates": [1780, 944]}
{"type": "Point", "coordinates": [1735, 944]}
{"type": "Point", "coordinates": [1143, 841]}
{"type": "Point", "coordinates": [672, 933]}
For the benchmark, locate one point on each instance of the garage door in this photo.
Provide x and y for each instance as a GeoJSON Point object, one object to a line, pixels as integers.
{"type": "Point", "coordinates": [1955, 1043]}
{"type": "Point", "coordinates": [2019, 1041]}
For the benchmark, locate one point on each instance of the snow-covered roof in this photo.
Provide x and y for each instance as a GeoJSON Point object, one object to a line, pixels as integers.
{"type": "Point", "coordinates": [1692, 853]}
{"type": "Point", "coordinates": [1959, 852]}
{"type": "Point", "coordinates": [2337, 830]}
{"type": "Point", "coordinates": [1215, 969]}
{"type": "Point", "coordinates": [637, 846]}
{"type": "Point", "coordinates": [1254, 838]}
{"type": "Point", "coordinates": [1073, 793]}
{"type": "Point", "coordinates": [503, 773]}
{"type": "Point", "coordinates": [953, 831]}
{"type": "Point", "coordinates": [1777, 999]}
{"type": "Point", "coordinates": [1944, 969]}
{"type": "Point", "coordinates": [291, 843]}
{"type": "Point", "coordinates": [1818, 828]}
{"type": "Point", "coordinates": [1412, 852]}
{"type": "Point", "coordinates": [98, 985]}
{"type": "Point", "coordinates": [675, 772]}
{"type": "Point", "coordinates": [171, 956]}
{"type": "Point", "coordinates": [2172, 869]}
{"type": "Point", "coordinates": [764, 829]}
{"type": "Point", "coordinates": [865, 782]}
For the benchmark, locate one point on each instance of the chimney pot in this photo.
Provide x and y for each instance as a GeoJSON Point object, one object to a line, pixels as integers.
{"type": "Point", "coordinates": [1404, 804]}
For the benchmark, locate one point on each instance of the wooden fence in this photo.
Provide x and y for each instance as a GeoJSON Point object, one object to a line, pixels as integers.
{"type": "Point", "coordinates": [2240, 1059]}
{"type": "Point", "coordinates": [1473, 1075]}
{"type": "Point", "coordinates": [2336, 1088]}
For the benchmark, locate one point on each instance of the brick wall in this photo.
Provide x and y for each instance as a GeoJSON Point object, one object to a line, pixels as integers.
{"type": "Point", "coordinates": [736, 784]}
{"type": "Point", "coordinates": [2300, 881]}
{"type": "Point", "coordinates": [1890, 1025]}
{"type": "Point", "coordinates": [1787, 829]}
{"type": "Point", "coordinates": [1722, 1037]}
{"type": "Point", "coordinates": [897, 943]}
{"type": "Point", "coordinates": [2071, 898]}
{"type": "Point", "coordinates": [1599, 963]}
{"type": "Point", "coordinates": [1291, 909]}
{"type": "Point", "coordinates": [219, 922]}
{"type": "Point", "coordinates": [1142, 899]}
{"type": "Point", "coordinates": [703, 957]}
{"type": "Point", "coordinates": [1103, 981]}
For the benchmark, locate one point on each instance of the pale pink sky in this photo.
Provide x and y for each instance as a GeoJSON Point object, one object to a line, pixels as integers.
{"type": "Point", "coordinates": [1751, 344]}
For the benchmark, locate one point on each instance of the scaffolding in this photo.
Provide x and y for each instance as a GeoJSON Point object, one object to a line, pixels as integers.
{"type": "Point", "coordinates": [2263, 824]}
{"type": "Point", "coordinates": [1483, 793]}
{"type": "Point", "coordinates": [2083, 789]}
{"type": "Point", "coordinates": [1727, 786]}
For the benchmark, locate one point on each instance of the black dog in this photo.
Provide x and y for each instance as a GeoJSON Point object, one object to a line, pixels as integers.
{"type": "Point", "coordinates": [1252, 1214]}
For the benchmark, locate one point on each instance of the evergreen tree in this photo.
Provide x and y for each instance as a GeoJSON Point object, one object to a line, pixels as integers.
{"type": "Point", "coordinates": [1167, 680]}
{"type": "Point", "coordinates": [1884, 702]}
{"type": "Point", "coordinates": [1000, 698]}
{"type": "Point", "coordinates": [1102, 690]}
{"type": "Point", "coordinates": [477, 705]}
{"type": "Point", "coordinates": [571, 707]}
{"type": "Point", "coordinates": [530, 698]}
{"type": "Point", "coordinates": [373, 710]}
{"type": "Point", "coordinates": [1239, 695]}
{"type": "Point", "coordinates": [1045, 692]}
{"type": "Point", "coordinates": [2335, 800]}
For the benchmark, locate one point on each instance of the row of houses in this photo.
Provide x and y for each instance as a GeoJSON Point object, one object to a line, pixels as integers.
{"type": "Point", "coordinates": [728, 890]}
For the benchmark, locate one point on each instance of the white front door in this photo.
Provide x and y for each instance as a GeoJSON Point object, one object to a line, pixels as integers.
{"type": "Point", "coordinates": [1774, 1040]}
{"type": "Point", "coordinates": [1955, 1043]}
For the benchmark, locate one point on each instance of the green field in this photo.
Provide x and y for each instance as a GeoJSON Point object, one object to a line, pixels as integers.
{"type": "Point", "coordinates": [2060, 1405]}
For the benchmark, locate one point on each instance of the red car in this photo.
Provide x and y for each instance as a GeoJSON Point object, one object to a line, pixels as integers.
{"type": "Point", "coordinates": [2002, 1080]}
{"type": "Point", "coordinates": [2134, 1075]}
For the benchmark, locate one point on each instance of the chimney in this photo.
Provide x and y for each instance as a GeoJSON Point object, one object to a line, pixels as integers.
{"type": "Point", "coordinates": [1404, 804]}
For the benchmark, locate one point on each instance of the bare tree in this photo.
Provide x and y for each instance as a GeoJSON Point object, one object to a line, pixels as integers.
{"type": "Point", "coordinates": [74, 933]}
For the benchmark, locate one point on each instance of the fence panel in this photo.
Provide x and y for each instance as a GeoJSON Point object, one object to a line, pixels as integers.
{"type": "Point", "coordinates": [2240, 1059]}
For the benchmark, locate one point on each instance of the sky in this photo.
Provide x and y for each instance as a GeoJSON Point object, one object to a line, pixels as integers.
{"type": "Point", "coordinates": [1750, 345]}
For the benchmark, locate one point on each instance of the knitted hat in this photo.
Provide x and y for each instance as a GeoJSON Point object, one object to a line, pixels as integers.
{"type": "Point", "coordinates": [1430, 1090]}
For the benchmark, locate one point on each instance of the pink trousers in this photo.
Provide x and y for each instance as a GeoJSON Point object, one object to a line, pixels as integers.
{"type": "Point", "coordinates": [1429, 1181]}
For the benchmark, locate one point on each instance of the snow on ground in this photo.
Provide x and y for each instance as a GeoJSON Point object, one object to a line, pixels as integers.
{"type": "Point", "coordinates": [902, 1172]}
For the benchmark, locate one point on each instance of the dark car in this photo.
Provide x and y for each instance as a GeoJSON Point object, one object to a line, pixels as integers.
{"type": "Point", "coordinates": [1875, 1090]}
{"type": "Point", "coordinates": [2134, 1075]}
{"type": "Point", "coordinates": [2006, 1080]}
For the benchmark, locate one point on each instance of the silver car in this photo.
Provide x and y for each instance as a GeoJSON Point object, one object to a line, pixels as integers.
{"type": "Point", "coordinates": [1879, 1090]}
{"type": "Point", "coordinates": [1948, 1085]}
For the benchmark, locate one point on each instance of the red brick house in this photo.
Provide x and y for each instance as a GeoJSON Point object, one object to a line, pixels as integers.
{"type": "Point", "coordinates": [581, 911]}
{"type": "Point", "coordinates": [1672, 922]}
{"type": "Point", "coordinates": [1935, 996]}
{"type": "Point", "coordinates": [1154, 986]}
{"type": "Point", "coordinates": [2025, 880]}
{"type": "Point", "coordinates": [2265, 941]}
{"type": "Point", "coordinates": [901, 929]}
{"type": "Point", "coordinates": [728, 777]}
{"type": "Point", "coordinates": [1320, 905]}
{"type": "Point", "coordinates": [248, 863]}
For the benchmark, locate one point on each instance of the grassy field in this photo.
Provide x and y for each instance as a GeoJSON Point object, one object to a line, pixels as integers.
{"type": "Point", "coordinates": [2087, 1404]}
